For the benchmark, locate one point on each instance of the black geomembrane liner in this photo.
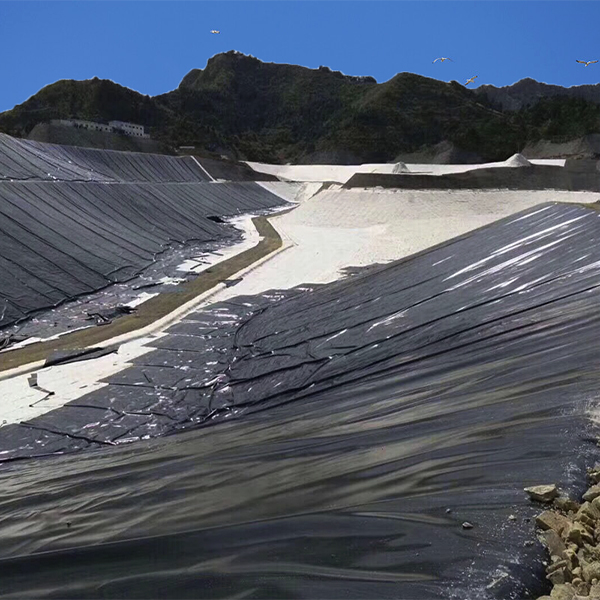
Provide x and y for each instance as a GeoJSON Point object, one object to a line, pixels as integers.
{"type": "Point", "coordinates": [61, 240]}
{"type": "Point", "coordinates": [360, 423]}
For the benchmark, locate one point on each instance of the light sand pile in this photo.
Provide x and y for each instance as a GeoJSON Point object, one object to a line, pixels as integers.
{"type": "Point", "coordinates": [517, 160]}
{"type": "Point", "coordinates": [399, 167]}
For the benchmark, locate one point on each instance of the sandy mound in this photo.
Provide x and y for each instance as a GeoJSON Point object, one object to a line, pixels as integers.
{"type": "Point", "coordinates": [400, 167]}
{"type": "Point", "coordinates": [517, 160]}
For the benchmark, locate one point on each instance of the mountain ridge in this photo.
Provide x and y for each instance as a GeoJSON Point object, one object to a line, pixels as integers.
{"type": "Point", "coordinates": [527, 91]}
{"type": "Point", "coordinates": [271, 112]}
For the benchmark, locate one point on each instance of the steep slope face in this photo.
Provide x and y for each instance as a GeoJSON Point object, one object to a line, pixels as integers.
{"type": "Point", "coordinates": [527, 92]}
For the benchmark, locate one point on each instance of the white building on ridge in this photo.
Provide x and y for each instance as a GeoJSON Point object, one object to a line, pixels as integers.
{"type": "Point", "coordinates": [128, 128]}
{"type": "Point", "coordinates": [113, 127]}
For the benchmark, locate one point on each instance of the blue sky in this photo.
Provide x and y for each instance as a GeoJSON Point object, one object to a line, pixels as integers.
{"type": "Point", "coordinates": [150, 45]}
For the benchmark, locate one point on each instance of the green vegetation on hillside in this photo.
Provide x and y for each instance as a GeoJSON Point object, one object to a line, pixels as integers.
{"type": "Point", "coordinates": [252, 110]}
{"type": "Point", "coordinates": [559, 119]}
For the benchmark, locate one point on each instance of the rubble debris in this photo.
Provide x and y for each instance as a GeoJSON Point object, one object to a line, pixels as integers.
{"type": "Point", "coordinates": [592, 493]}
{"type": "Point", "coordinates": [32, 380]}
{"type": "Point", "coordinates": [572, 538]}
{"type": "Point", "coordinates": [542, 493]}
{"type": "Point", "coordinates": [552, 520]}
{"type": "Point", "coordinates": [594, 474]}
{"type": "Point", "coordinates": [566, 504]}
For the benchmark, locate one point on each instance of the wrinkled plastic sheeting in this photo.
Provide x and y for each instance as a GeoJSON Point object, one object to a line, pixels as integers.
{"type": "Point", "coordinates": [62, 240]}
{"type": "Point", "coordinates": [403, 401]}
{"type": "Point", "coordinates": [63, 357]}
{"type": "Point", "coordinates": [26, 160]}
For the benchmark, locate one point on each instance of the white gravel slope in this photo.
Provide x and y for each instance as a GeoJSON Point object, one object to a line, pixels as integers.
{"type": "Point", "coordinates": [337, 229]}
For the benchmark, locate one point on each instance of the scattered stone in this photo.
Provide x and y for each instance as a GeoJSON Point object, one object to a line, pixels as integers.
{"type": "Point", "coordinates": [570, 555]}
{"type": "Point", "coordinates": [448, 511]}
{"type": "Point", "coordinates": [556, 577]}
{"type": "Point", "coordinates": [467, 525]}
{"type": "Point", "coordinates": [512, 518]}
{"type": "Point", "coordinates": [594, 474]}
{"type": "Point", "coordinates": [566, 504]}
{"type": "Point", "coordinates": [594, 591]}
{"type": "Point", "coordinates": [553, 520]}
{"type": "Point", "coordinates": [571, 533]}
{"type": "Point", "coordinates": [495, 582]}
{"type": "Point", "coordinates": [590, 571]}
{"type": "Point", "coordinates": [554, 543]}
{"type": "Point", "coordinates": [562, 592]}
{"type": "Point", "coordinates": [589, 511]}
{"type": "Point", "coordinates": [581, 587]}
{"type": "Point", "coordinates": [578, 534]}
{"type": "Point", "coordinates": [542, 493]}
{"type": "Point", "coordinates": [592, 493]}
{"type": "Point", "coordinates": [528, 543]}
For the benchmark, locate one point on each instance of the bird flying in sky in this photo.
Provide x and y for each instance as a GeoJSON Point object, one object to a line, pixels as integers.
{"type": "Point", "coordinates": [443, 58]}
{"type": "Point", "coordinates": [471, 80]}
{"type": "Point", "coordinates": [215, 31]}
{"type": "Point", "coordinates": [586, 63]}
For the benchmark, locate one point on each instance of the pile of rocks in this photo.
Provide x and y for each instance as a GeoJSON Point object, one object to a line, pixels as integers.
{"type": "Point", "coordinates": [571, 532]}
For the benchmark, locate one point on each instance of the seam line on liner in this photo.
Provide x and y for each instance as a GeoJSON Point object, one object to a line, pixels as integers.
{"type": "Point", "coordinates": [198, 163]}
